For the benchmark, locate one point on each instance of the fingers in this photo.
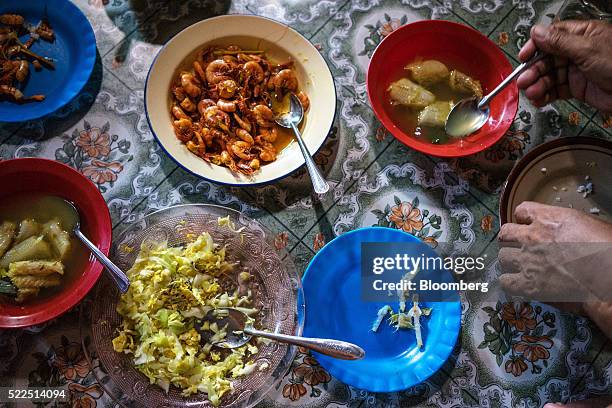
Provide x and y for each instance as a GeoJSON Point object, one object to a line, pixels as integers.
{"type": "Point", "coordinates": [564, 39]}
{"type": "Point", "coordinates": [514, 233]}
{"type": "Point", "coordinates": [527, 51]}
{"type": "Point", "coordinates": [509, 260]}
{"type": "Point", "coordinates": [525, 212]}
{"type": "Point", "coordinates": [516, 284]}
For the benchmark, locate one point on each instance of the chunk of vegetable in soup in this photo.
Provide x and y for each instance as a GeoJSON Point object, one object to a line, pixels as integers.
{"type": "Point", "coordinates": [421, 99]}
{"type": "Point", "coordinates": [38, 255]}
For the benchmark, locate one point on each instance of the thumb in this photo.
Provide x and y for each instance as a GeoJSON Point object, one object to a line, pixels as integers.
{"type": "Point", "coordinates": [565, 39]}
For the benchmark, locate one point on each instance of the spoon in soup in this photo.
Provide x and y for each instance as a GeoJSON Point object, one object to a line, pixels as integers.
{"type": "Point", "coordinates": [470, 114]}
{"type": "Point", "coordinates": [118, 276]}
{"type": "Point", "coordinates": [239, 331]}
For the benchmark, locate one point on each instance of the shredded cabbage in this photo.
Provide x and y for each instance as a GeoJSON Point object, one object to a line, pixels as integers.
{"type": "Point", "coordinates": [170, 288]}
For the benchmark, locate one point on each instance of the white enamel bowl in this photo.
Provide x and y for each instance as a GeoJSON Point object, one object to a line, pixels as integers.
{"type": "Point", "coordinates": [280, 43]}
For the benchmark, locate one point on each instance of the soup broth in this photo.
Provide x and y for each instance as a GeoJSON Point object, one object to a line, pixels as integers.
{"type": "Point", "coordinates": [406, 116]}
{"type": "Point", "coordinates": [43, 208]}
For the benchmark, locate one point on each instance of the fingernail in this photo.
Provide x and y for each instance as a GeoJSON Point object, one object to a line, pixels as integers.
{"type": "Point", "coordinates": [550, 405]}
{"type": "Point", "coordinates": [539, 32]}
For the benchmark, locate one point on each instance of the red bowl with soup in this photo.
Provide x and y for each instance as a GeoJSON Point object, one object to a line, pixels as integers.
{"type": "Point", "coordinates": [459, 48]}
{"type": "Point", "coordinates": [33, 189]}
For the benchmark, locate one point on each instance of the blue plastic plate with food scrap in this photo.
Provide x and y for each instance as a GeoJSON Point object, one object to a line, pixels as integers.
{"type": "Point", "coordinates": [73, 53]}
{"type": "Point", "coordinates": [334, 309]}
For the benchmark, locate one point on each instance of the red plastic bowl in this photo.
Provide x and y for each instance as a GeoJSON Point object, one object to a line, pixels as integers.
{"type": "Point", "coordinates": [47, 176]}
{"type": "Point", "coordinates": [460, 47]}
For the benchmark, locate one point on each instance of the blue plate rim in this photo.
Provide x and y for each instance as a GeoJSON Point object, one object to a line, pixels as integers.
{"type": "Point", "coordinates": [77, 85]}
{"type": "Point", "coordinates": [354, 379]}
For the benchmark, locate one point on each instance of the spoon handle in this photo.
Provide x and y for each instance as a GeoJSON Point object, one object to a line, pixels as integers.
{"type": "Point", "coordinates": [318, 182]}
{"type": "Point", "coordinates": [122, 281]}
{"type": "Point", "coordinates": [334, 348]}
{"type": "Point", "coordinates": [517, 71]}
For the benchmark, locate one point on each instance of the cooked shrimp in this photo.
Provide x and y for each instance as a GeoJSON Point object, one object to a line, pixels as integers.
{"type": "Point", "coordinates": [190, 85]}
{"type": "Point", "coordinates": [197, 68]}
{"type": "Point", "coordinates": [263, 115]}
{"type": "Point", "coordinates": [267, 151]}
{"type": "Point", "coordinates": [217, 71]}
{"type": "Point", "coordinates": [12, 19]}
{"type": "Point", "coordinates": [304, 100]}
{"type": "Point", "coordinates": [285, 79]}
{"type": "Point", "coordinates": [241, 149]}
{"type": "Point", "coordinates": [253, 70]}
{"type": "Point", "coordinates": [242, 123]}
{"type": "Point", "coordinates": [188, 105]}
{"type": "Point", "coordinates": [230, 122]}
{"type": "Point", "coordinates": [226, 106]}
{"type": "Point", "coordinates": [269, 134]}
{"type": "Point", "coordinates": [184, 129]}
{"type": "Point", "coordinates": [205, 103]}
{"type": "Point", "coordinates": [178, 112]}
{"type": "Point", "coordinates": [215, 117]}
{"type": "Point", "coordinates": [22, 71]}
{"type": "Point", "coordinates": [227, 88]}
{"type": "Point", "coordinates": [245, 136]}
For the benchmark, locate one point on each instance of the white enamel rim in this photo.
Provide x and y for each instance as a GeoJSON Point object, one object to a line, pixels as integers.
{"type": "Point", "coordinates": [280, 42]}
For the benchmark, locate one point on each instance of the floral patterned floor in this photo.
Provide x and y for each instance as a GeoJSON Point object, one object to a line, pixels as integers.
{"type": "Point", "coordinates": [519, 355]}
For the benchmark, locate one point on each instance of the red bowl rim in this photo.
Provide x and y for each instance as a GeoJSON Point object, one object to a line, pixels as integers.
{"type": "Point", "coordinates": [406, 141]}
{"type": "Point", "coordinates": [93, 268]}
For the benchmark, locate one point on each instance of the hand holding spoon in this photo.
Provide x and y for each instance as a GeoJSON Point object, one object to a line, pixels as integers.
{"type": "Point", "coordinates": [470, 114]}
{"type": "Point", "coordinates": [291, 119]}
{"type": "Point", "coordinates": [239, 333]}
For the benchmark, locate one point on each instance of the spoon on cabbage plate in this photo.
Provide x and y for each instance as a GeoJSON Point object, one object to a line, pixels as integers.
{"type": "Point", "coordinates": [470, 114]}
{"type": "Point", "coordinates": [239, 331]}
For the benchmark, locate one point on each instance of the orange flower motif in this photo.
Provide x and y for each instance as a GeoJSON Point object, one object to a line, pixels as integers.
{"type": "Point", "coordinates": [312, 373]}
{"type": "Point", "coordinates": [101, 172]}
{"type": "Point", "coordinates": [390, 26]}
{"type": "Point", "coordinates": [607, 120]}
{"type": "Point", "coordinates": [84, 397]}
{"type": "Point", "coordinates": [381, 133]}
{"type": "Point", "coordinates": [516, 366]}
{"type": "Point", "coordinates": [486, 223]}
{"type": "Point", "coordinates": [521, 317]}
{"type": "Point", "coordinates": [294, 391]}
{"type": "Point", "coordinates": [503, 38]}
{"type": "Point", "coordinates": [406, 217]}
{"type": "Point", "coordinates": [94, 142]}
{"type": "Point", "coordinates": [70, 361]}
{"type": "Point", "coordinates": [281, 239]}
{"type": "Point", "coordinates": [574, 118]}
{"type": "Point", "coordinates": [319, 242]}
{"type": "Point", "coordinates": [534, 348]}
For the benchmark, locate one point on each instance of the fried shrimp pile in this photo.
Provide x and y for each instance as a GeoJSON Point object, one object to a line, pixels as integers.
{"type": "Point", "coordinates": [222, 106]}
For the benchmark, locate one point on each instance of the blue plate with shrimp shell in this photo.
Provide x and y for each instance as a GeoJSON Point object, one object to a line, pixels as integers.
{"type": "Point", "coordinates": [334, 309]}
{"type": "Point", "coordinates": [73, 51]}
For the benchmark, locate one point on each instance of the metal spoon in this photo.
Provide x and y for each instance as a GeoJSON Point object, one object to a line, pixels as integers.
{"type": "Point", "coordinates": [470, 114]}
{"type": "Point", "coordinates": [121, 280]}
{"type": "Point", "coordinates": [291, 119]}
{"type": "Point", "coordinates": [239, 333]}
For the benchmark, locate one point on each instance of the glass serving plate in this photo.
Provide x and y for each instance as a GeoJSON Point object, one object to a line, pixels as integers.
{"type": "Point", "coordinates": [276, 293]}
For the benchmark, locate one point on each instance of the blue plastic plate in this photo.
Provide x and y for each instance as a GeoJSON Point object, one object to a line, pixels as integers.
{"type": "Point", "coordinates": [74, 52]}
{"type": "Point", "coordinates": [334, 310]}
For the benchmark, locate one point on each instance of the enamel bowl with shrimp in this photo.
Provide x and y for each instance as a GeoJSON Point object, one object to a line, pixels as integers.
{"type": "Point", "coordinates": [213, 92]}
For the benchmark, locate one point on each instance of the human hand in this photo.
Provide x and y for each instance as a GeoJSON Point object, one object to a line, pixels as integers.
{"type": "Point", "coordinates": [579, 63]}
{"type": "Point", "coordinates": [564, 256]}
